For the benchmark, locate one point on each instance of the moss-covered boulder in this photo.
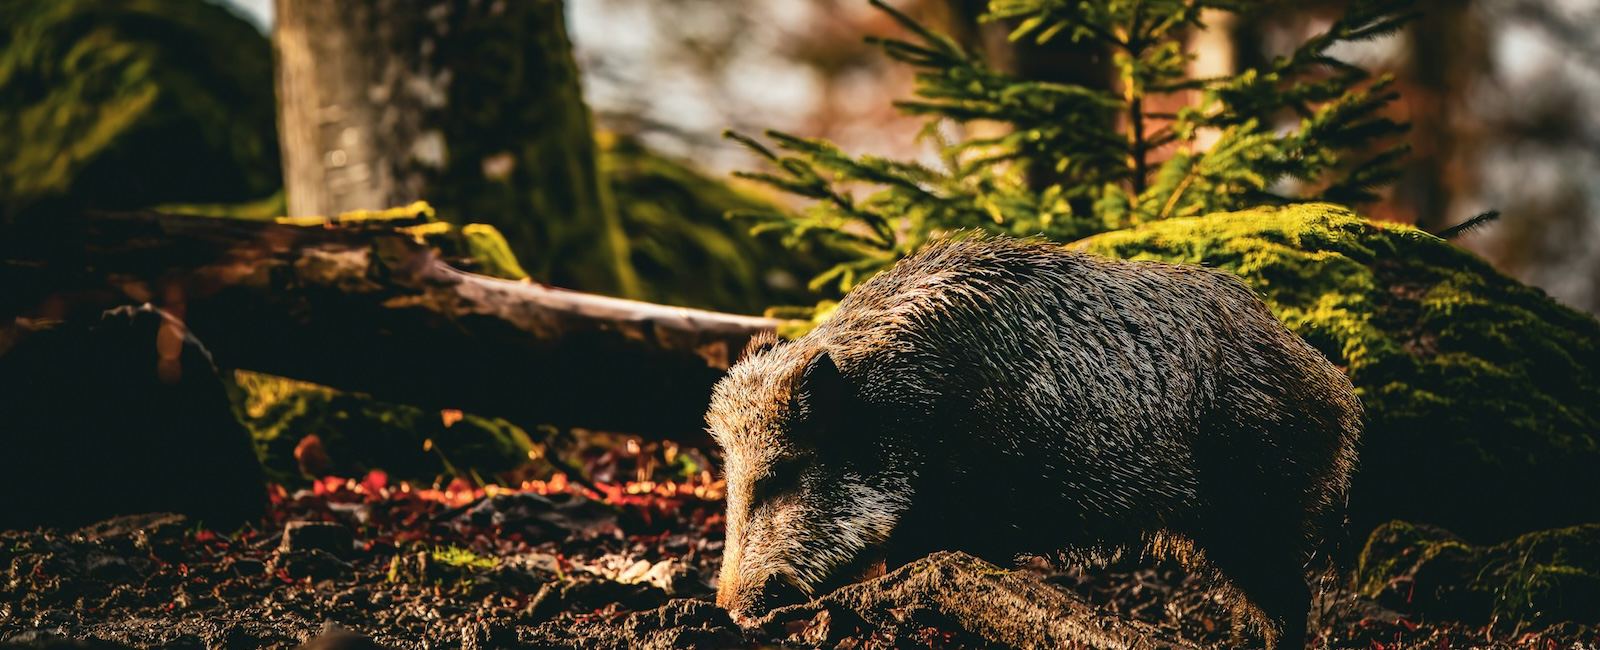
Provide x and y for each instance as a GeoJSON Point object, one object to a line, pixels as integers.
{"type": "Point", "coordinates": [132, 103]}
{"type": "Point", "coordinates": [1483, 394]}
{"type": "Point", "coordinates": [118, 415]}
{"type": "Point", "coordinates": [1536, 579]}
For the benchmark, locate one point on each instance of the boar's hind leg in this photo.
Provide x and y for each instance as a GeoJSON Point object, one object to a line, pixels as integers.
{"type": "Point", "coordinates": [1269, 569]}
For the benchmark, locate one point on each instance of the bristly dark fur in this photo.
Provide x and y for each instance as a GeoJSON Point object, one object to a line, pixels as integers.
{"type": "Point", "coordinates": [1006, 397]}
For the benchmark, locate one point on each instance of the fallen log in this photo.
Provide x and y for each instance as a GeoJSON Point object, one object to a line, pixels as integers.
{"type": "Point", "coordinates": [367, 306]}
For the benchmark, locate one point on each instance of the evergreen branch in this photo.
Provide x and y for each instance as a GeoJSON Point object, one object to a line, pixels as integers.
{"type": "Point", "coordinates": [1469, 225]}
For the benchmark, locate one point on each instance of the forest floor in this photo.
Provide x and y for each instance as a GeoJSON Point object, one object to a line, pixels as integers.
{"type": "Point", "coordinates": [547, 564]}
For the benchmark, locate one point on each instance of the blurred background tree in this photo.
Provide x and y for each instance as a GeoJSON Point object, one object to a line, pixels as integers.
{"type": "Point", "coordinates": [1502, 96]}
{"type": "Point", "coordinates": [475, 107]}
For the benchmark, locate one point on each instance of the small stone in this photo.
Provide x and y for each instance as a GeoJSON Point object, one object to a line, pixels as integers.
{"type": "Point", "coordinates": [246, 567]}
{"type": "Point", "coordinates": [107, 568]}
{"type": "Point", "coordinates": [317, 535]}
{"type": "Point", "coordinates": [334, 637]}
{"type": "Point", "coordinates": [483, 635]}
{"type": "Point", "coordinates": [354, 596]}
{"type": "Point", "coordinates": [315, 564]}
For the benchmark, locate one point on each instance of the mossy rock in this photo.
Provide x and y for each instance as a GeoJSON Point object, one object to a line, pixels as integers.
{"type": "Point", "coordinates": [359, 434]}
{"type": "Point", "coordinates": [1482, 393]}
{"type": "Point", "coordinates": [1536, 579]}
{"type": "Point", "coordinates": [119, 415]}
{"type": "Point", "coordinates": [121, 104]}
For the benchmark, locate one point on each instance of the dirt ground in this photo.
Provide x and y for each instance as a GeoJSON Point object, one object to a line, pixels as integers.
{"type": "Point", "coordinates": [374, 563]}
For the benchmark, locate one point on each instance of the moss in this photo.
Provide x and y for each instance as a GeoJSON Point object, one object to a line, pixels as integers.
{"type": "Point", "coordinates": [464, 559]}
{"type": "Point", "coordinates": [1533, 580]}
{"type": "Point", "coordinates": [122, 104]}
{"type": "Point", "coordinates": [416, 211]}
{"type": "Point", "coordinates": [484, 243]}
{"type": "Point", "coordinates": [264, 209]}
{"type": "Point", "coordinates": [475, 247]}
{"type": "Point", "coordinates": [361, 434]}
{"type": "Point", "coordinates": [1482, 394]}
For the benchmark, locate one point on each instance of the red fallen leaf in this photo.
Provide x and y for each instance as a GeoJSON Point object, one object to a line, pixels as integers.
{"type": "Point", "coordinates": [312, 456]}
{"type": "Point", "coordinates": [375, 481]}
{"type": "Point", "coordinates": [203, 536]}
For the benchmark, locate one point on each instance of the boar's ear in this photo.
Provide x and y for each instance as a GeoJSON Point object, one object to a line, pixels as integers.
{"type": "Point", "coordinates": [759, 343]}
{"type": "Point", "coordinates": [821, 392]}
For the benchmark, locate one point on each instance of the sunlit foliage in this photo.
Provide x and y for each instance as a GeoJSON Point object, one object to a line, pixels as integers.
{"type": "Point", "coordinates": [1074, 160]}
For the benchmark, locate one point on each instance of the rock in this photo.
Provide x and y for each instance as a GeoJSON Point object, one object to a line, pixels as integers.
{"type": "Point", "coordinates": [123, 415]}
{"type": "Point", "coordinates": [543, 517]}
{"type": "Point", "coordinates": [317, 535]}
{"type": "Point", "coordinates": [1531, 581]}
{"type": "Point", "coordinates": [582, 592]}
{"type": "Point", "coordinates": [482, 635]}
{"type": "Point", "coordinates": [1483, 394]}
{"type": "Point", "coordinates": [107, 568]}
{"type": "Point", "coordinates": [246, 567]}
{"type": "Point", "coordinates": [334, 637]}
{"type": "Point", "coordinates": [315, 564]}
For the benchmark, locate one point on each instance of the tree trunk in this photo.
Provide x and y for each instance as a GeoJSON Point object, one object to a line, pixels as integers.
{"type": "Point", "coordinates": [473, 106]}
{"type": "Point", "coordinates": [365, 307]}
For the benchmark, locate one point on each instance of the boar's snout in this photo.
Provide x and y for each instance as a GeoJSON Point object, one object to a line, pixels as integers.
{"type": "Point", "coordinates": [746, 601]}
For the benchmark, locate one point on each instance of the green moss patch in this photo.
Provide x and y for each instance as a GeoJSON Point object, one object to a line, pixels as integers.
{"type": "Point", "coordinates": [358, 434]}
{"type": "Point", "coordinates": [1482, 393]}
{"type": "Point", "coordinates": [1536, 579]}
{"type": "Point", "coordinates": [121, 104]}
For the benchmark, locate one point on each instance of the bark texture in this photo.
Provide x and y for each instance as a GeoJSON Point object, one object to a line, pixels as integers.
{"type": "Point", "coordinates": [365, 306]}
{"type": "Point", "coordinates": [473, 106]}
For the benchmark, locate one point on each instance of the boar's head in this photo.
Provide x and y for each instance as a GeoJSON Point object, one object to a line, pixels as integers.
{"type": "Point", "coordinates": [814, 488]}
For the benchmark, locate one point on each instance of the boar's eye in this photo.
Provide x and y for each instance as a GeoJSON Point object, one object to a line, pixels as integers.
{"type": "Point", "coordinates": [781, 477]}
